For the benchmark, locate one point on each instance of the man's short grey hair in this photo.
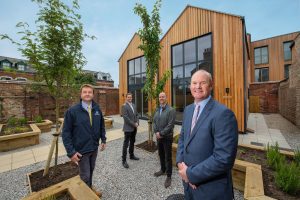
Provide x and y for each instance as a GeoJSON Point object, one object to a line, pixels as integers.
{"type": "Point", "coordinates": [206, 73]}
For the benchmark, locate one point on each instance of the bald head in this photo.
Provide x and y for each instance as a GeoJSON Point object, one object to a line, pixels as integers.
{"type": "Point", "coordinates": [162, 98]}
{"type": "Point", "coordinates": [201, 85]}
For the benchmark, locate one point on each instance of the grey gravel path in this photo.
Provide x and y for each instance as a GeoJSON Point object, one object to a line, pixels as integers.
{"type": "Point", "coordinates": [110, 177]}
{"type": "Point", "coordinates": [290, 132]}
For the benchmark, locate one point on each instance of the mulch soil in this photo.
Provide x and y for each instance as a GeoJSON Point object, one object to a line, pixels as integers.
{"type": "Point", "coordinates": [60, 173]}
{"type": "Point", "coordinates": [148, 147]}
{"type": "Point", "coordinates": [260, 158]}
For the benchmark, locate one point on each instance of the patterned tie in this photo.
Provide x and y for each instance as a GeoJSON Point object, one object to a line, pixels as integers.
{"type": "Point", "coordinates": [90, 114]}
{"type": "Point", "coordinates": [195, 116]}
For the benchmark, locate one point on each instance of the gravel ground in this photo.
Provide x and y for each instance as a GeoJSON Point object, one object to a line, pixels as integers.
{"type": "Point", "coordinates": [290, 132]}
{"type": "Point", "coordinates": [110, 177]}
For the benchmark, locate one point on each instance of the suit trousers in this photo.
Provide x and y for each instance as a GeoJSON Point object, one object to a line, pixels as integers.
{"type": "Point", "coordinates": [87, 166]}
{"type": "Point", "coordinates": [129, 140]}
{"type": "Point", "coordinates": [165, 155]}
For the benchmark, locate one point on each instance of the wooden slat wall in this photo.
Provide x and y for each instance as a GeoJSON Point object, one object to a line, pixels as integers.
{"type": "Point", "coordinates": [276, 56]}
{"type": "Point", "coordinates": [132, 51]}
{"type": "Point", "coordinates": [227, 34]}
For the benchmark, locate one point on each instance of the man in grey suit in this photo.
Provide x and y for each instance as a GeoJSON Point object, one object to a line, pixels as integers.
{"type": "Point", "coordinates": [131, 122]}
{"type": "Point", "coordinates": [207, 144]}
{"type": "Point", "coordinates": [163, 125]}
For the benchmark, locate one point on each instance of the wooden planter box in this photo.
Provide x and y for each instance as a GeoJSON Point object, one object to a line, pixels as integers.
{"type": "Point", "coordinates": [14, 141]}
{"type": "Point", "coordinates": [108, 122]}
{"type": "Point", "coordinates": [44, 126]}
{"type": "Point", "coordinates": [246, 176]}
{"type": "Point", "coordinates": [75, 187]}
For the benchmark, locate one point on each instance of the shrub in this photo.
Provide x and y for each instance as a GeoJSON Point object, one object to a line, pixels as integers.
{"type": "Point", "coordinates": [297, 156]}
{"type": "Point", "coordinates": [38, 119]}
{"type": "Point", "coordinates": [12, 121]}
{"type": "Point", "coordinates": [176, 138]}
{"type": "Point", "coordinates": [274, 158]}
{"type": "Point", "coordinates": [287, 177]}
{"type": "Point", "coordinates": [22, 121]}
{"type": "Point", "coordinates": [22, 129]}
{"type": "Point", "coordinates": [9, 131]}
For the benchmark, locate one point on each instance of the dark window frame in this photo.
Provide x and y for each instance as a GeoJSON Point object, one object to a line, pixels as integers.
{"type": "Point", "coordinates": [260, 74]}
{"type": "Point", "coordinates": [286, 70]}
{"type": "Point", "coordinates": [197, 62]}
{"type": "Point", "coordinates": [261, 60]}
{"type": "Point", "coordinates": [290, 51]}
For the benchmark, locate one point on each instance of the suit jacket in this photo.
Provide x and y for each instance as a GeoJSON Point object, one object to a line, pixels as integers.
{"type": "Point", "coordinates": [209, 151]}
{"type": "Point", "coordinates": [130, 117]}
{"type": "Point", "coordinates": [164, 122]}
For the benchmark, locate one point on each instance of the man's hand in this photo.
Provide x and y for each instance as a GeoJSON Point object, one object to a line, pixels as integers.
{"type": "Point", "coordinates": [182, 167]}
{"type": "Point", "coordinates": [136, 125]}
{"type": "Point", "coordinates": [76, 158]}
{"type": "Point", "coordinates": [157, 135]}
{"type": "Point", "coordinates": [102, 146]}
{"type": "Point", "coordinates": [194, 187]}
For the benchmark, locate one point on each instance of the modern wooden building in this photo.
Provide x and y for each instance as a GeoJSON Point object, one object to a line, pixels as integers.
{"type": "Point", "coordinates": [198, 39]}
{"type": "Point", "coordinates": [271, 58]}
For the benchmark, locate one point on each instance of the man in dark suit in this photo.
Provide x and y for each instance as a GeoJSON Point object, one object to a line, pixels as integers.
{"type": "Point", "coordinates": [131, 122]}
{"type": "Point", "coordinates": [163, 125]}
{"type": "Point", "coordinates": [207, 144]}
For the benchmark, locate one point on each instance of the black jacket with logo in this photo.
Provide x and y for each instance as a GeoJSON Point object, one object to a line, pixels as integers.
{"type": "Point", "coordinates": [78, 135]}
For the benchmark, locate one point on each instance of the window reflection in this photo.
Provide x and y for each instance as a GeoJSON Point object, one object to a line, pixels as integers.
{"type": "Point", "coordinates": [187, 58]}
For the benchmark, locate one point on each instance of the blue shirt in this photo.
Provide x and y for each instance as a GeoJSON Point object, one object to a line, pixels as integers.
{"type": "Point", "coordinates": [85, 105]}
{"type": "Point", "coordinates": [202, 104]}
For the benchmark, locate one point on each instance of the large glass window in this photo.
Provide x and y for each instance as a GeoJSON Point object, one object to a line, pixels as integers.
{"type": "Point", "coordinates": [286, 70]}
{"type": "Point", "coordinates": [287, 51]}
{"type": "Point", "coordinates": [261, 55]}
{"type": "Point", "coordinates": [262, 74]}
{"type": "Point", "coordinates": [136, 80]}
{"type": "Point", "coordinates": [187, 58]}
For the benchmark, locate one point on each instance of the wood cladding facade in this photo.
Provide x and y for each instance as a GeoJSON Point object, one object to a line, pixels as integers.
{"type": "Point", "coordinates": [276, 60]}
{"type": "Point", "coordinates": [229, 54]}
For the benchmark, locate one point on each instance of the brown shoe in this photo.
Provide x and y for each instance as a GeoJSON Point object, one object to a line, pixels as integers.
{"type": "Point", "coordinates": [98, 193]}
{"type": "Point", "coordinates": [159, 173]}
{"type": "Point", "coordinates": [168, 182]}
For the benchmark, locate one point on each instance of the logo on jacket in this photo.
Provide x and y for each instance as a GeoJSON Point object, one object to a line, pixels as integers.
{"type": "Point", "coordinates": [97, 113]}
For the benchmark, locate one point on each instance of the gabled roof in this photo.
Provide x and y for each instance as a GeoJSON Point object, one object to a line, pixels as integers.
{"type": "Point", "coordinates": [135, 34]}
{"type": "Point", "coordinates": [188, 6]}
{"type": "Point", "coordinates": [276, 36]}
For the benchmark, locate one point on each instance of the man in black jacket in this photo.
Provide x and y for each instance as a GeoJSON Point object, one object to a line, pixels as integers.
{"type": "Point", "coordinates": [83, 128]}
{"type": "Point", "coordinates": [163, 125]}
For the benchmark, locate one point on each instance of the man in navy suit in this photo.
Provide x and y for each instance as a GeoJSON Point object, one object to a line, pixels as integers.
{"type": "Point", "coordinates": [207, 144]}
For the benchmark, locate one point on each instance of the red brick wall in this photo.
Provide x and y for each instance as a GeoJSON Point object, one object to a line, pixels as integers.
{"type": "Point", "coordinates": [17, 99]}
{"type": "Point", "coordinates": [268, 96]}
{"type": "Point", "coordinates": [289, 91]}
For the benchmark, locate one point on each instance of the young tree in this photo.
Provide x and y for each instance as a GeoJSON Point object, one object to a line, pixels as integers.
{"type": "Point", "coordinates": [54, 49]}
{"type": "Point", "coordinates": [150, 38]}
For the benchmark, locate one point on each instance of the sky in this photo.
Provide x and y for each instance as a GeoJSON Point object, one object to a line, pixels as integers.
{"type": "Point", "coordinates": [113, 22]}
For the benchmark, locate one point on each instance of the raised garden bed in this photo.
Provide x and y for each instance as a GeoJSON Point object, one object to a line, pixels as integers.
{"type": "Point", "coordinates": [252, 174]}
{"type": "Point", "coordinates": [62, 172]}
{"type": "Point", "coordinates": [73, 188]}
{"type": "Point", "coordinates": [18, 140]}
{"type": "Point", "coordinates": [44, 126]}
{"type": "Point", "coordinates": [108, 122]}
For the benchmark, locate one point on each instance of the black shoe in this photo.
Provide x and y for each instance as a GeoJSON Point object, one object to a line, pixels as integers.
{"type": "Point", "coordinates": [159, 173]}
{"type": "Point", "coordinates": [134, 158]}
{"type": "Point", "coordinates": [125, 165]}
{"type": "Point", "coordinates": [168, 182]}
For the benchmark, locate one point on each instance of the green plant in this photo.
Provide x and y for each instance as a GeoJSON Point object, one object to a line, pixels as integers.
{"type": "Point", "coordinates": [20, 129]}
{"type": "Point", "coordinates": [22, 121]}
{"type": "Point", "coordinates": [12, 121]}
{"type": "Point", "coordinates": [9, 131]}
{"type": "Point", "coordinates": [38, 119]}
{"type": "Point", "coordinates": [49, 197]}
{"type": "Point", "coordinates": [176, 138]}
{"type": "Point", "coordinates": [274, 158]}
{"type": "Point", "coordinates": [297, 156]}
{"type": "Point", "coordinates": [255, 157]}
{"type": "Point", "coordinates": [287, 177]}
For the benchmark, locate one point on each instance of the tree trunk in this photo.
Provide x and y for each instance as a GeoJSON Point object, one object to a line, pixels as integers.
{"type": "Point", "coordinates": [150, 130]}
